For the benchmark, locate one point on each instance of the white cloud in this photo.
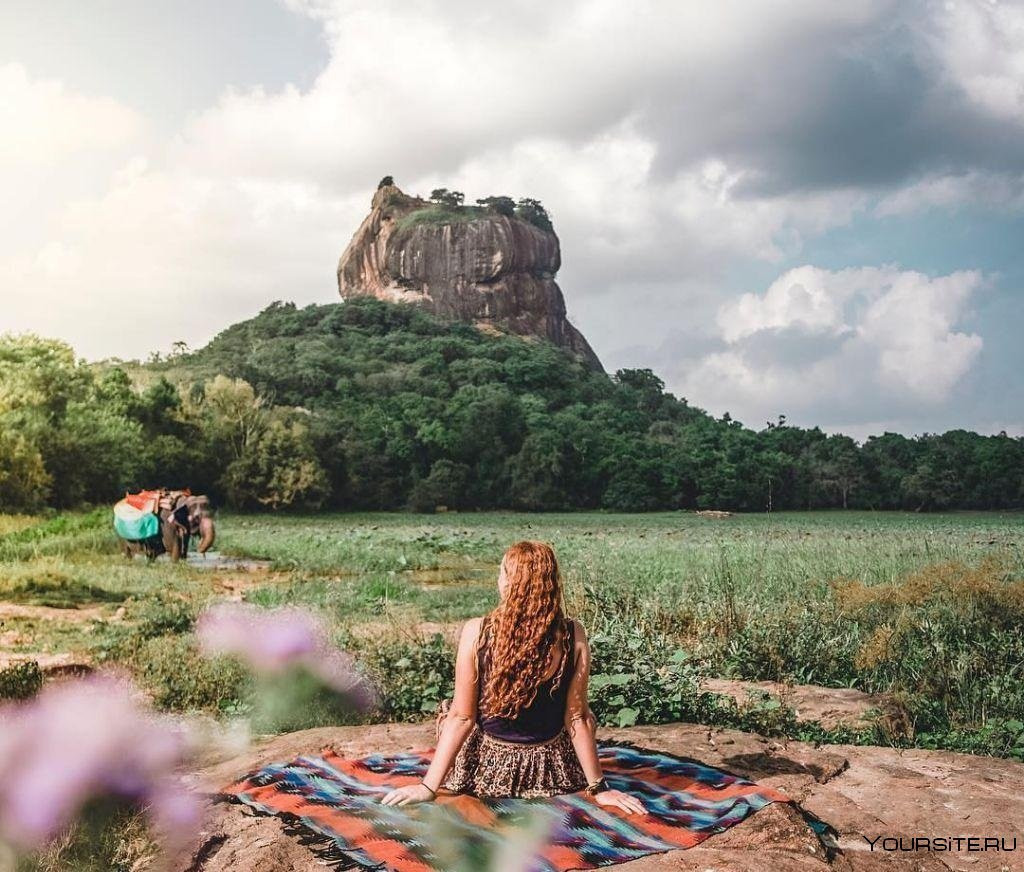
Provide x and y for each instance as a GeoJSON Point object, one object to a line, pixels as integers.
{"type": "Point", "coordinates": [44, 122]}
{"type": "Point", "coordinates": [980, 45]}
{"type": "Point", "coordinates": [169, 255]}
{"type": "Point", "coordinates": [855, 342]}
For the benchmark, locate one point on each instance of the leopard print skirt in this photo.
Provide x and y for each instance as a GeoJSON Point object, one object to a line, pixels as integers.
{"type": "Point", "coordinates": [486, 766]}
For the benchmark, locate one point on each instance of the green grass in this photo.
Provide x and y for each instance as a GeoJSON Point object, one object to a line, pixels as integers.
{"type": "Point", "coordinates": [440, 215]}
{"type": "Point", "coordinates": [752, 597]}
{"type": "Point", "coordinates": [677, 559]}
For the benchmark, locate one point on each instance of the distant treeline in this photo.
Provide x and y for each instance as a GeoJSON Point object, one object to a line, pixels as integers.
{"type": "Point", "coordinates": [370, 405]}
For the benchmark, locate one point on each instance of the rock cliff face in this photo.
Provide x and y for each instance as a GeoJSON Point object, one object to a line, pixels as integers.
{"type": "Point", "coordinates": [481, 267]}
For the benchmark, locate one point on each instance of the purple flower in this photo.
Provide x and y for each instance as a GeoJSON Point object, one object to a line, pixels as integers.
{"type": "Point", "coordinates": [84, 740]}
{"type": "Point", "coordinates": [273, 641]}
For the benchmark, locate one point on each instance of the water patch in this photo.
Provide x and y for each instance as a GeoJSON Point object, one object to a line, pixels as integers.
{"type": "Point", "coordinates": [216, 560]}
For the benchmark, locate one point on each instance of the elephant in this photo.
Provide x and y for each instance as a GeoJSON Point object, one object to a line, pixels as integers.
{"type": "Point", "coordinates": [182, 516]}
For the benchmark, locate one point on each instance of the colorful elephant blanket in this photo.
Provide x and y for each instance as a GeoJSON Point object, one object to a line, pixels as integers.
{"type": "Point", "coordinates": [134, 523]}
{"type": "Point", "coordinates": [333, 805]}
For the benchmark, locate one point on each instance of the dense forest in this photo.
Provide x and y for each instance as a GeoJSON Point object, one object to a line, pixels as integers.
{"type": "Point", "coordinates": [370, 405]}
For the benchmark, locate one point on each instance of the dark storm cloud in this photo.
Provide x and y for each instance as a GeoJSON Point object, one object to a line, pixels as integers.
{"type": "Point", "coordinates": [864, 106]}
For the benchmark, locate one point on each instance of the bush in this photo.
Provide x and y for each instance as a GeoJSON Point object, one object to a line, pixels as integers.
{"type": "Point", "coordinates": [181, 679]}
{"type": "Point", "coordinates": [56, 590]}
{"type": "Point", "coordinates": [411, 679]}
{"type": "Point", "coordinates": [21, 681]}
{"type": "Point", "coordinates": [163, 616]}
{"type": "Point", "coordinates": [112, 837]}
{"type": "Point", "coordinates": [807, 646]}
{"type": "Point", "coordinates": [636, 678]}
{"type": "Point", "coordinates": [297, 700]}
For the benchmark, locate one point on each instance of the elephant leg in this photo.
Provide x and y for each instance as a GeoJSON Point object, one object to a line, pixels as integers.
{"type": "Point", "coordinates": [154, 546]}
{"type": "Point", "coordinates": [170, 540]}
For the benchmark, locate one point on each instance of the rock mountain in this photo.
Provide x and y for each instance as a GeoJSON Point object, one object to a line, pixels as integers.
{"type": "Point", "coordinates": [464, 263]}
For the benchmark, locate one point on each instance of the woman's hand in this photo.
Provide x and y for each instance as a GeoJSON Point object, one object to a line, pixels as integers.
{"type": "Point", "coordinates": [627, 802]}
{"type": "Point", "coordinates": [408, 795]}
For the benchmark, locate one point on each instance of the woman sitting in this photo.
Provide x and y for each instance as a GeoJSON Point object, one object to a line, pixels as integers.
{"type": "Point", "coordinates": [519, 724]}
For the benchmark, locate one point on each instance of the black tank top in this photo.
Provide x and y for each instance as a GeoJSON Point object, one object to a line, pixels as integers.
{"type": "Point", "coordinates": [543, 718]}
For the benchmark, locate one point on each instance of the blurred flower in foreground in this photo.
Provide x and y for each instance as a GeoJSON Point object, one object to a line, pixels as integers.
{"type": "Point", "coordinates": [84, 741]}
{"type": "Point", "coordinates": [276, 641]}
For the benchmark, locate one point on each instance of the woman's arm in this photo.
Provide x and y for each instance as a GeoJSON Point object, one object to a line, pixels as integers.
{"type": "Point", "coordinates": [582, 727]}
{"type": "Point", "coordinates": [457, 725]}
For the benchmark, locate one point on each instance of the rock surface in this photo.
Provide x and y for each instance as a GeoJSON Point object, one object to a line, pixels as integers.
{"type": "Point", "coordinates": [862, 793]}
{"type": "Point", "coordinates": [830, 707]}
{"type": "Point", "coordinates": [488, 269]}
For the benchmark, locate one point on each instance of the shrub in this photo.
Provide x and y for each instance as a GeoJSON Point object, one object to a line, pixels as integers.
{"type": "Point", "coordinates": [411, 679]}
{"type": "Point", "coordinates": [298, 700]}
{"type": "Point", "coordinates": [163, 616]}
{"type": "Point", "coordinates": [55, 589]}
{"type": "Point", "coordinates": [181, 679]}
{"type": "Point", "coordinates": [111, 838]}
{"type": "Point", "coordinates": [21, 681]}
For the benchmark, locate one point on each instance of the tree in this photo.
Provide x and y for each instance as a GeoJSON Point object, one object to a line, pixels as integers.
{"type": "Point", "coordinates": [644, 387]}
{"type": "Point", "coordinates": [278, 470]}
{"type": "Point", "coordinates": [446, 485]}
{"type": "Point", "coordinates": [839, 469]}
{"type": "Point", "coordinates": [24, 481]}
{"type": "Point", "coordinates": [235, 414]}
{"type": "Point", "coordinates": [887, 460]}
{"type": "Point", "coordinates": [502, 205]}
{"type": "Point", "coordinates": [532, 211]}
{"type": "Point", "coordinates": [40, 375]}
{"type": "Point", "coordinates": [94, 456]}
{"type": "Point", "coordinates": [385, 182]}
{"type": "Point", "coordinates": [539, 471]}
{"type": "Point", "coordinates": [446, 198]}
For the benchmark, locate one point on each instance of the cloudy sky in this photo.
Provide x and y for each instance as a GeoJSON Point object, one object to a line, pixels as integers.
{"type": "Point", "coordinates": [803, 208]}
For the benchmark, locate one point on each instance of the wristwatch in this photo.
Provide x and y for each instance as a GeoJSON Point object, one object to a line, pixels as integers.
{"type": "Point", "coordinates": [596, 787]}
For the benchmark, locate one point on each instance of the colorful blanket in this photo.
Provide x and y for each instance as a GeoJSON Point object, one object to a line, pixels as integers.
{"type": "Point", "coordinates": [133, 523]}
{"type": "Point", "coordinates": [333, 804]}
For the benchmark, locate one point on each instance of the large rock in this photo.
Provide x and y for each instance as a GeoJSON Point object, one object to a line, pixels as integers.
{"type": "Point", "coordinates": [862, 793]}
{"type": "Point", "coordinates": [484, 268]}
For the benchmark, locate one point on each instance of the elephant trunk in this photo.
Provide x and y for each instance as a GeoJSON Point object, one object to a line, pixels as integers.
{"type": "Point", "coordinates": [207, 533]}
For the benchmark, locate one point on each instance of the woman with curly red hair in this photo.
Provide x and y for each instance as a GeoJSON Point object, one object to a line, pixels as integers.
{"type": "Point", "coordinates": [519, 724]}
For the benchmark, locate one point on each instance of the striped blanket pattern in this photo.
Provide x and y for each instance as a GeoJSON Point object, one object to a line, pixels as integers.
{"type": "Point", "coordinates": [333, 805]}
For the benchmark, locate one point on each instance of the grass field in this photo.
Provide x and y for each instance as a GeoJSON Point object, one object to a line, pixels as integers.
{"type": "Point", "coordinates": [925, 609]}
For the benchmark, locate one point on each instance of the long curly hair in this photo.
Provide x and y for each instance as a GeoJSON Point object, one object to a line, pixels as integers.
{"type": "Point", "coordinates": [521, 631]}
